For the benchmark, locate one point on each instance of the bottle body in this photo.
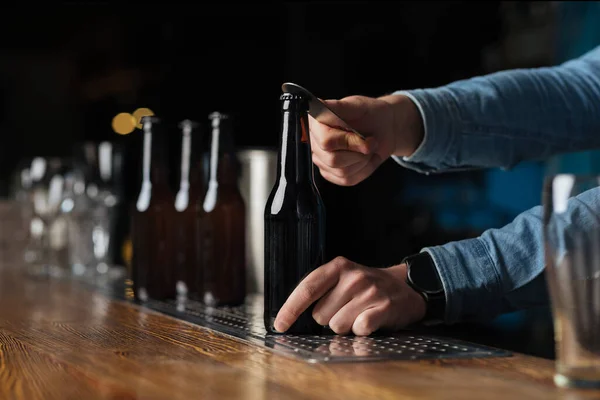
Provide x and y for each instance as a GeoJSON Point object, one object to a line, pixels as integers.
{"type": "Point", "coordinates": [223, 227]}
{"type": "Point", "coordinates": [152, 270]}
{"type": "Point", "coordinates": [222, 233]}
{"type": "Point", "coordinates": [188, 256]}
{"type": "Point", "coordinates": [294, 220]}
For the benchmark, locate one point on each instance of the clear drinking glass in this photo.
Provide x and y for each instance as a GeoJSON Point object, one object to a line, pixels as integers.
{"type": "Point", "coordinates": [90, 204]}
{"type": "Point", "coordinates": [47, 251]}
{"type": "Point", "coordinates": [572, 245]}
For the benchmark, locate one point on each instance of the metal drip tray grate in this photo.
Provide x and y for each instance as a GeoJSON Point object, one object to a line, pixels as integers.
{"type": "Point", "coordinates": [246, 323]}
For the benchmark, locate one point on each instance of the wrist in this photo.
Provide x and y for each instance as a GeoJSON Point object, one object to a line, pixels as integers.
{"type": "Point", "coordinates": [407, 126]}
{"type": "Point", "coordinates": [416, 302]}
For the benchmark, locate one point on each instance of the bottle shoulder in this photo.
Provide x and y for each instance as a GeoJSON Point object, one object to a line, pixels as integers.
{"type": "Point", "coordinates": [294, 200]}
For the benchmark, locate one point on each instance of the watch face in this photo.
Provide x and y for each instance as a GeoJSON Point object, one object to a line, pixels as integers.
{"type": "Point", "coordinates": [426, 279]}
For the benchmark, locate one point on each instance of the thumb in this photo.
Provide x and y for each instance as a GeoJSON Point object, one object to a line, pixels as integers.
{"type": "Point", "coordinates": [349, 108]}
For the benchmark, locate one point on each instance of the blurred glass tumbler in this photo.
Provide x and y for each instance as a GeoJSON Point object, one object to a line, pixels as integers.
{"type": "Point", "coordinates": [573, 272]}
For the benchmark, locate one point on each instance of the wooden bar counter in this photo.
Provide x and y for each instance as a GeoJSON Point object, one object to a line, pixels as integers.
{"type": "Point", "coordinates": [61, 340]}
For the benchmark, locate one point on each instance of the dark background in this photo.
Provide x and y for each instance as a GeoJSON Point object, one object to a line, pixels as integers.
{"type": "Point", "coordinates": [66, 71]}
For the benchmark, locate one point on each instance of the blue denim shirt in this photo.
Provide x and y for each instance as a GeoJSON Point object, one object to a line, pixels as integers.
{"type": "Point", "coordinates": [498, 120]}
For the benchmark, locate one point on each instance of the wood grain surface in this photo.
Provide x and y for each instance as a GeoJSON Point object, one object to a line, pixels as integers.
{"type": "Point", "coordinates": [60, 340]}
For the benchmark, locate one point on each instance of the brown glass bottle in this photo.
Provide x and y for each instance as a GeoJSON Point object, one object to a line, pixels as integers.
{"type": "Point", "coordinates": [223, 227]}
{"type": "Point", "coordinates": [294, 218]}
{"type": "Point", "coordinates": [152, 265]}
{"type": "Point", "coordinates": [189, 214]}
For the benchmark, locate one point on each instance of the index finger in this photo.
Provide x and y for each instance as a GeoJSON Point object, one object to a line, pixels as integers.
{"type": "Point", "coordinates": [309, 290]}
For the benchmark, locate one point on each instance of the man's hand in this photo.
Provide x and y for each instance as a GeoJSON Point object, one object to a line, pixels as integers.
{"type": "Point", "coordinates": [392, 125]}
{"type": "Point", "coordinates": [354, 298]}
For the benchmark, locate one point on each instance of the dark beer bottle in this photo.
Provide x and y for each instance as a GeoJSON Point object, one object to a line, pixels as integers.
{"type": "Point", "coordinates": [224, 227]}
{"type": "Point", "coordinates": [294, 218]}
{"type": "Point", "coordinates": [189, 214]}
{"type": "Point", "coordinates": [152, 269]}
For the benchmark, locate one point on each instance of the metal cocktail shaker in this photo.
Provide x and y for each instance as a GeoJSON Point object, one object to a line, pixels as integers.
{"type": "Point", "coordinates": [258, 172]}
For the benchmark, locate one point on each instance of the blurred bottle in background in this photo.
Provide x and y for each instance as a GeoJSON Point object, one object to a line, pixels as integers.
{"type": "Point", "coordinates": [189, 214]}
{"type": "Point", "coordinates": [223, 230]}
{"type": "Point", "coordinates": [152, 273]}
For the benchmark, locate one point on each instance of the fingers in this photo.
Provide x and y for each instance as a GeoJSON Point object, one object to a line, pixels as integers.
{"type": "Point", "coordinates": [341, 323]}
{"type": "Point", "coordinates": [342, 157]}
{"type": "Point", "coordinates": [330, 138]}
{"type": "Point", "coordinates": [353, 290]}
{"type": "Point", "coordinates": [309, 290]}
{"type": "Point", "coordinates": [330, 304]}
{"type": "Point", "coordinates": [348, 176]}
{"type": "Point", "coordinates": [343, 171]}
{"type": "Point", "coordinates": [361, 315]}
{"type": "Point", "coordinates": [369, 321]}
{"type": "Point", "coordinates": [339, 158]}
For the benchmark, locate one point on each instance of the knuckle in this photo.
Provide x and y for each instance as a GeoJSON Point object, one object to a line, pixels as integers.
{"type": "Point", "coordinates": [364, 326]}
{"type": "Point", "coordinates": [349, 180]}
{"type": "Point", "coordinates": [339, 327]}
{"type": "Point", "coordinates": [372, 292]}
{"type": "Point", "coordinates": [319, 318]}
{"type": "Point", "coordinates": [319, 139]}
{"type": "Point", "coordinates": [356, 280]}
{"type": "Point", "coordinates": [345, 181]}
{"type": "Point", "coordinates": [308, 292]}
{"type": "Point", "coordinates": [328, 143]}
{"type": "Point", "coordinates": [360, 275]}
{"type": "Point", "coordinates": [317, 161]}
{"type": "Point", "coordinates": [330, 159]}
{"type": "Point", "coordinates": [336, 173]}
{"type": "Point", "coordinates": [386, 304]}
{"type": "Point", "coordinates": [341, 263]}
{"type": "Point", "coordinates": [323, 137]}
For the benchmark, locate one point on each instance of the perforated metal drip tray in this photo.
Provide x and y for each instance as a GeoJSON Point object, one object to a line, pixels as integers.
{"type": "Point", "coordinates": [246, 323]}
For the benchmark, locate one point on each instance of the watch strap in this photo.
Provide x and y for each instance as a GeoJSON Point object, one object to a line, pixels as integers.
{"type": "Point", "coordinates": [435, 300]}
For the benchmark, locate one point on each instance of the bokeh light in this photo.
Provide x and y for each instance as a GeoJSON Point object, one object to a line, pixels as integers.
{"type": "Point", "coordinates": [123, 123]}
{"type": "Point", "coordinates": [141, 113]}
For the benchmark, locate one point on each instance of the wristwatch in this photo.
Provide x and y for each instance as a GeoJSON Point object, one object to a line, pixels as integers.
{"type": "Point", "coordinates": [423, 277]}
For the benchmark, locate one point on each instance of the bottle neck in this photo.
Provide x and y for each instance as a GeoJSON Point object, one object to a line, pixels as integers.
{"type": "Point", "coordinates": [222, 161]}
{"type": "Point", "coordinates": [295, 162]}
{"type": "Point", "coordinates": [190, 171]}
{"type": "Point", "coordinates": [154, 163]}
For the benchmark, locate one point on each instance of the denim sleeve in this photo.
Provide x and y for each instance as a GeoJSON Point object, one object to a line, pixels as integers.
{"type": "Point", "coordinates": [503, 269]}
{"type": "Point", "coordinates": [500, 119]}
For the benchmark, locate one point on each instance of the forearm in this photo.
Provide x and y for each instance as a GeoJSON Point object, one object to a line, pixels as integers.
{"type": "Point", "coordinates": [503, 269]}
{"type": "Point", "coordinates": [501, 119]}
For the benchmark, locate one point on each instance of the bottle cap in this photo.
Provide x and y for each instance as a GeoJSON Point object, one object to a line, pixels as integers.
{"type": "Point", "coordinates": [294, 100]}
{"type": "Point", "coordinates": [292, 96]}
